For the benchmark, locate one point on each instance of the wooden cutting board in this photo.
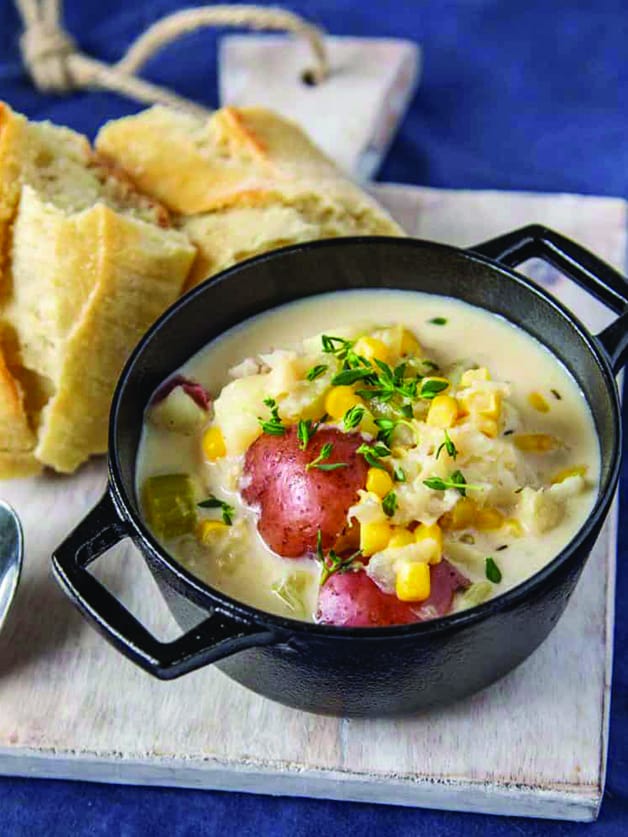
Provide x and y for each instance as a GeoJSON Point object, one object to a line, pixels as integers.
{"type": "Point", "coordinates": [533, 744]}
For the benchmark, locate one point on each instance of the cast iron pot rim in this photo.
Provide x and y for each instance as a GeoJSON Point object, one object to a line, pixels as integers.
{"type": "Point", "coordinates": [211, 598]}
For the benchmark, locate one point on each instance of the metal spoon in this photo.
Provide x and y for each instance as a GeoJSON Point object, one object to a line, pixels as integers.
{"type": "Point", "coordinates": [11, 552]}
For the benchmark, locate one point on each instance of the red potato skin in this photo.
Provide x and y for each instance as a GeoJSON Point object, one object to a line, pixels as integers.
{"type": "Point", "coordinates": [293, 502]}
{"type": "Point", "coordinates": [352, 600]}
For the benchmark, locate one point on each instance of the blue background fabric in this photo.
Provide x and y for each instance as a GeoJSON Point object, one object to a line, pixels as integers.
{"type": "Point", "coordinates": [516, 94]}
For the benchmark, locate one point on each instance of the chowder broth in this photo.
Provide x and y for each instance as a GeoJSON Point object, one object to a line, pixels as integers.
{"type": "Point", "coordinates": [534, 422]}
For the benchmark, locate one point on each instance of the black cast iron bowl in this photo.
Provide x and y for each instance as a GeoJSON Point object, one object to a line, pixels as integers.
{"type": "Point", "coordinates": [321, 668]}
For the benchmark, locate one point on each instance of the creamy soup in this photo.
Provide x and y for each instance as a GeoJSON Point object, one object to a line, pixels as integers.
{"type": "Point", "coordinates": [368, 458]}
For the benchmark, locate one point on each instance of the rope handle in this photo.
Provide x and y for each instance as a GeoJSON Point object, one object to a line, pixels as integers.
{"type": "Point", "coordinates": [56, 65]}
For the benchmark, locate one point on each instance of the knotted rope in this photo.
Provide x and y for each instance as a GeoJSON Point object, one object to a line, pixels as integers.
{"type": "Point", "coordinates": [56, 65]}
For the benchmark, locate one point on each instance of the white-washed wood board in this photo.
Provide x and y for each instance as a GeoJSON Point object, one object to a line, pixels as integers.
{"type": "Point", "coordinates": [533, 744]}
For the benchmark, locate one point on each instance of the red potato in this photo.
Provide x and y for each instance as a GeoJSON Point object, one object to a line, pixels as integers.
{"type": "Point", "coordinates": [294, 502]}
{"type": "Point", "coordinates": [353, 600]}
{"type": "Point", "coordinates": [192, 388]}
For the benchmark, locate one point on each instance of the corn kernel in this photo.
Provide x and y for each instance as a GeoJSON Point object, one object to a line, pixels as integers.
{"type": "Point", "coordinates": [576, 471]}
{"type": "Point", "coordinates": [372, 349]}
{"type": "Point", "coordinates": [461, 516]}
{"type": "Point", "coordinates": [472, 375]}
{"type": "Point", "coordinates": [378, 481]}
{"type": "Point", "coordinates": [409, 344]}
{"type": "Point", "coordinates": [513, 525]}
{"type": "Point", "coordinates": [401, 537]}
{"type": "Point", "coordinates": [213, 443]}
{"type": "Point", "coordinates": [536, 442]}
{"type": "Point", "coordinates": [433, 536]}
{"type": "Point", "coordinates": [374, 537]}
{"type": "Point", "coordinates": [536, 400]}
{"type": "Point", "coordinates": [443, 411]}
{"type": "Point", "coordinates": [340, 399]}
{"type": "Point", "coordinates": [208, 530]}
{"type": "Point", "coordinates": [488, 518]}
{"type": "Point", "coordinates": [412, 582]}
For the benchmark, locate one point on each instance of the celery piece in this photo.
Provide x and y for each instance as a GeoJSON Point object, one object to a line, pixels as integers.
{"type": "Point", "coordinates": [477, 593]}
{"type": "Point", "coordinates": [169, 505]}
{"type": "Point", "coordinates": [291, 589]}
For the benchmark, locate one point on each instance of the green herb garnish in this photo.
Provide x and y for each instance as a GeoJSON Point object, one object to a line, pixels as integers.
{"type": "Point", "coordinates": [333, 563]}
{"type": "Point", "coordinates": [320, 463]}
{"type": "Point", "coordinates": [456, 480]}
{"type": "Point", "coordinates": [389, 383]}
{"type": "Point", "coordinates": [493, 573]}
{"type": "Point", "coordinates": [431, 387]}
{"type": "Point", "coordinates": [353, 417]}
{"type": "Point", "coordinates": [429, 364]}
{"type": "Point", "coordinates": [389, 504]}
{"type": "Point", "coordinates": [336, 346]}
{"type": "Point", "coordinates": [438, 321]}
{"type": "Point", "coordinates": [306, 428]}
{"type": "Point", "coordinates": [449, 446]}
{"type": "Point", "coordinates": [351, 376]}
{"type": "Point", "coordinates": [399, 473]}
{"type": "Point", "coordinates": [213, 502]}
{"type": "Point", "coordinates": [374, 453]}
{"type": "Point", "coordinates": [274, 427]}
{"type": "Point", "coordinates": [316, 371]}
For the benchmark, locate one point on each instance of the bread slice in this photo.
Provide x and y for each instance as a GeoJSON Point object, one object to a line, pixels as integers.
{"type": "Point", "coordinates": [88, 264]}
{"type": "Point", "coordinates": [242, 182]}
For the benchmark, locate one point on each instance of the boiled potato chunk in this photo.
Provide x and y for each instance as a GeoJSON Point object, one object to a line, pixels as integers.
{"type": "Point", "coordinates": [236, 412]}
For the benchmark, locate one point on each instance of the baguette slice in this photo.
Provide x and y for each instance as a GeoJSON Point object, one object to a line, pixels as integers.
{"type": "Point", "coordinates": [88, 264]}
{"type": "Point", "coordinates": [60, 164]}
{"type": "Point", "coordinates": [240, 183]}
{"type": "Point", "coordinates": [85, 288]}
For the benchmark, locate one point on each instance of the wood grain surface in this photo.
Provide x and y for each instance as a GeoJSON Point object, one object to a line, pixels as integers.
{"type": "Point", "coordinates": [534, 743]}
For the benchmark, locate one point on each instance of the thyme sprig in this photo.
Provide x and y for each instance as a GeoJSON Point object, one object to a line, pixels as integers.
{"type": "Point", "coordinates": [213, 502]}
{"type": "Point", "coordinates": [320, 463]}
{"type": "Point", "coordinates": [493, 573]}
{"type": "Point", "coordinates": [332, 562]}
{"type": "Point", "coordinates": [447, 445]}
{"type": "Point", "coordinates": [274, 426]}
{"type": "Point", "coordinates": [306, 428]}
{"type": "Point", "coordinates": [430, 388]}
{"type": "Point", "coordinates": [379, 380]}
{"type": "Point", "coordinates": [353, 417]}
{"type": "Point", "coordinates": [389, 504]}
{"type": "Point", "coordinates": [374, 453]}
{"type": "Point", "coordinates": [316, 371]}
{"type": "Point", "coordinates": [457, 481]}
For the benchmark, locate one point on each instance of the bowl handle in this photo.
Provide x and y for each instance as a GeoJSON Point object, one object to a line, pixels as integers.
{"type": "Point", "coordinates": [586, 269]}
{"type": "Point", "coordinates": [218, 636]}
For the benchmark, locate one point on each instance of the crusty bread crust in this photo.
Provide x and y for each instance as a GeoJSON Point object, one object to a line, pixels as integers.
{"type": "Point", "coordinates": [87, 264]}
{"type": "Point", "coordinates": [95, 244]}
{"type": "Point", "coordinates": [242, 182]}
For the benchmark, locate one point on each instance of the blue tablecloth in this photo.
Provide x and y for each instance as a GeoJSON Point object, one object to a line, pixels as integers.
{"type": "Point", "coordinates": [516, 94]}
